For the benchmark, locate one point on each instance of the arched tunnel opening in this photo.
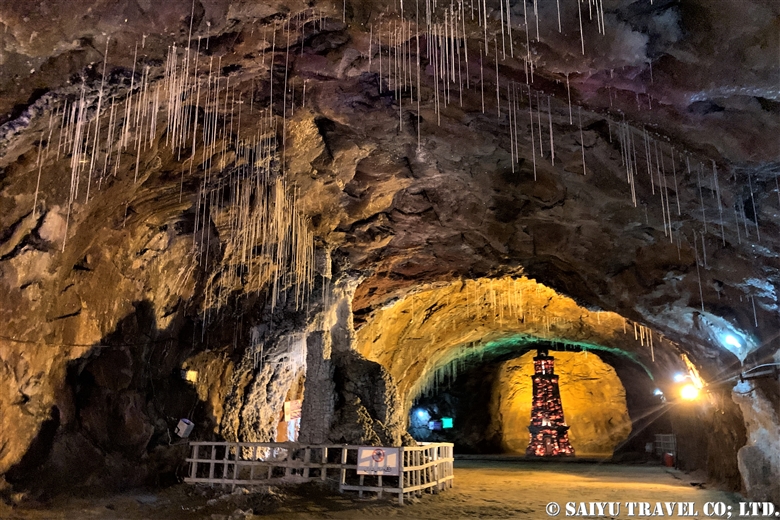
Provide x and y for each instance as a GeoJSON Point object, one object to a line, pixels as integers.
{"type": "Point", "coordinates": [611, 404]}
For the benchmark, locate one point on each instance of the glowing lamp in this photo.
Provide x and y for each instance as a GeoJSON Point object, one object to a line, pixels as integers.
{"type": "Point", "coordinates": [658, 392]}
{"type": "Point", "coordinates": [679, 377]}
{"type": "Point", "coordinates": [689, 392]}
{"type": "Point", "coordinates": [191, 376]}
{"type": "Point", "coordinates": [421, 416]}
{"type": "Point", "coordinates": [731, 340]}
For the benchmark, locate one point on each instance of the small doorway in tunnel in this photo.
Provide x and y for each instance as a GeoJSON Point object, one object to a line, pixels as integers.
{"type": "Point", "coordinates": [608, 401]}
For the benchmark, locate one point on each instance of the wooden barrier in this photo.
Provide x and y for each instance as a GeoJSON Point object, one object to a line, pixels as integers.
{"type": "Point", "coordinates": [423, 468]}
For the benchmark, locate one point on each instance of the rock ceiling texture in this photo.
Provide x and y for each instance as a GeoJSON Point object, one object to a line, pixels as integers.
{"type": "Point", "coordinates": [179, 180]}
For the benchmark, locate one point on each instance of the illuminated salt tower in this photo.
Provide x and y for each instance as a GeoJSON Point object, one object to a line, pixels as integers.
{"type": "Point", "coordinates": [549, 432]}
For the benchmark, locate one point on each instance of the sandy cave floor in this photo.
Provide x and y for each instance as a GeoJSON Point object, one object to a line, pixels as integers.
{"type": "Point", "coordinates": [483, 489]}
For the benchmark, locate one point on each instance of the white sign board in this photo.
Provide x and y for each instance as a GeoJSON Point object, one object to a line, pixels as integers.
{"type": "Point", "coordinates": [292, 410]}
{"type": "Point", "coordinates": [378, 461]}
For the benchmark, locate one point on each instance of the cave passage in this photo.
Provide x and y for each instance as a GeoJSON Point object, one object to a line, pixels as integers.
{"type": "Point", "coordinates": [483, 405]}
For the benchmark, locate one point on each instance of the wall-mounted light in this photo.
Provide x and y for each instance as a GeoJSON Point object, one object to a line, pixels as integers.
{"type": "Point", "coordinates": [191, 376]}
{"type": "Point", "coordinates": [422, 415]}
{"type": "Point", "coordinates": [689, 392]}
{"type": "Point", "coordinates": [732, 340]}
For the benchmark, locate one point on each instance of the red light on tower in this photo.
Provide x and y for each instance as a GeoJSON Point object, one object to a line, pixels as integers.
{"type": "Point", "coordinates": [548, 429]}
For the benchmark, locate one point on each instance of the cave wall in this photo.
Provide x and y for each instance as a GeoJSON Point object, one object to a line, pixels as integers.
{"type": "Point", "coordinates": [759, 458]}
{"type": "Point", "coordinates": [415, 336]}
{"type": "Point", "coordinates": [348, 399]}
{"type": "Point", "coordinates": [710, 433]}
{"type": "Point", "coordinates": [466, 398]}
{"type": "Point", "coordinates": [95, 339]}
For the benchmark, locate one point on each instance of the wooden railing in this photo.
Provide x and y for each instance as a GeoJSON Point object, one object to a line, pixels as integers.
{"type": "Point", "coordinates": [427, 467]}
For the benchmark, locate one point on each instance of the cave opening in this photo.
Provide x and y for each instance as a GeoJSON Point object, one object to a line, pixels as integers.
{"type": "Point", "coordinates": [611, 403]}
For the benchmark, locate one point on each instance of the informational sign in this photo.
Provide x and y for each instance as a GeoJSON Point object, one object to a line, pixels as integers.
{"type": "Point", "coordinates": [378, 461]}
{"type": "Point", "coordinates": [292, 410]}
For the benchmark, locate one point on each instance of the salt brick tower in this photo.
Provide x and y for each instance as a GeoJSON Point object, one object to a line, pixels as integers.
{"type": "Point", "coordinates": [549, 432]}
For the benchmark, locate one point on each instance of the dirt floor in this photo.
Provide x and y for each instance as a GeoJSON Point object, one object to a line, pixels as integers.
{"type": "Point", "coordinates": [497, 488]}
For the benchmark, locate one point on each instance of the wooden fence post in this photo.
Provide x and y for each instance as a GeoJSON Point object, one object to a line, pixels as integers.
{"type": "Point", "coordinates": [213, 463]}
{"type": "Point", "coordinates": [194, 466]}
{"type": "Point", "coordinates": [401, 475]}
{"type": "Point", "coordinates": [324, 470]}
{"type": "Point", "coordinates": [343, 469]}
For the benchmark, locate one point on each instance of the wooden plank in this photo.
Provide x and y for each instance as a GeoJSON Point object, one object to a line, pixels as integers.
{"type": "Point", "coordinates": [374, 489]}
{"type": "Point", "coordinates": [194, 465]}
{"type": "Point", "coordinates": [224, 464]}
{"type": "Point", "coordinates": [324, 468]}
{"type": "Point", "coordinates": [306, 460]}
{"type": "Point", "coordinates": [213, 458]}
{"type": "Point", "coordinates": [343, 479]}
{"type": "Point", "coordinates": [252, 466]}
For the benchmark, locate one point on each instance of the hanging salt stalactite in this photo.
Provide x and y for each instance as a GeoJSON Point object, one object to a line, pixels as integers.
{"type": "Point", "coordinates": [753, 203]}
{"type": "Point", "coordinates": [511, 132]}
{"type": "Point", "coordinates": [441, 374]}
{"type": "Point", "coordinates": [582, 142]}
{"type": "Point", "coordinates": [582, 35]}
{"type": "Point", "coordinates": [720, 205]}
{"type": "Point", "coordinates": [533, 142]}
{"type": "Point", "coordinates": [539, 127]}
{"type": "Point", "coordinates": [38, 182]}
{"type": "Point", "coordinates": [262, 215]}
{"type": "Point", "coordinates": [698, 272]}
{"type": "Point", "coordinates": [552, 140]}
{"type": "Point", "coordinates": [498, 94]}
{"type": "Point", "coordinates": [755, 315]}
{"type": "Point", "coordinates": [568, 94]}
{"type": "Point", "coordinates": [701, 194]}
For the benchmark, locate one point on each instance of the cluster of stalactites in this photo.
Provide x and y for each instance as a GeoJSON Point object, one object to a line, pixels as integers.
{"type": "Point", "coordinates": [243, 192]}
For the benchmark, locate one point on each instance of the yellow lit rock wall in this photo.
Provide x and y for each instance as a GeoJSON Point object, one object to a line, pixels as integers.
{"type": "Point", "coordinates": [594, 403]}
{"type": "Point", "coordinates": [424, 331]}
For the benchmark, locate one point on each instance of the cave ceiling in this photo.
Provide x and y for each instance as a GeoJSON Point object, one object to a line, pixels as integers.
{"type": "Point", "coordinates": [628, 160]}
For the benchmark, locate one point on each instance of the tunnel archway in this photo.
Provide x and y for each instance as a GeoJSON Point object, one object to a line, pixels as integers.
{"type": "Point", "coordinates": [449, 335]}
{"type": "Point", "coordinates": [415, 337]}
{"type": "Point", "coordinates": [610, 402]}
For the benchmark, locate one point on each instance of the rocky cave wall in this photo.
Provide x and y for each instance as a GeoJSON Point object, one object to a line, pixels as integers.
{"type": "Point", "coordinates": [441, 325]}
{"type": "Point", "coordinates": [152, 269]}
